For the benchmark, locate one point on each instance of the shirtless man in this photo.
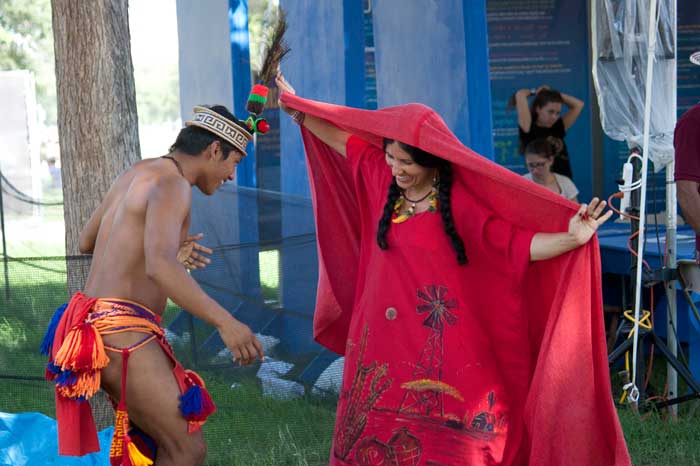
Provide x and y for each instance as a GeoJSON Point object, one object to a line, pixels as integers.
{"type": "Point", "coordinates": [134, 236]}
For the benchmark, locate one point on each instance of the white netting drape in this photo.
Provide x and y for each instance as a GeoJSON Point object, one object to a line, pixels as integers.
{"type": "Point", "coordinates": [620, 46]}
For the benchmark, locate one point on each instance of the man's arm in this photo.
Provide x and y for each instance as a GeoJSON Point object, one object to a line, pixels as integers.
{"type": "Point", "coordinates": [88, 235]}
{"type": "Point", "coordinates": [168, 205]}
{"type": "Point", "coordinates": [689, 200]}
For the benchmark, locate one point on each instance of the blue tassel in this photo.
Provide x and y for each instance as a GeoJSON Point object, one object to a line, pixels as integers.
{"type": "Point", "coordinates": [66, 378]}
{"type": "Point", "coordinates": [191, 401]}
{"type": "Point", "coordinates": [47, 342]}
{"type": "Point", "coordinates": [52, 370]}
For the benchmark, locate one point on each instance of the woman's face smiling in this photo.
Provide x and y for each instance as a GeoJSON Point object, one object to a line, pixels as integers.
{"type": "Point", "coordinates": [409, 175]}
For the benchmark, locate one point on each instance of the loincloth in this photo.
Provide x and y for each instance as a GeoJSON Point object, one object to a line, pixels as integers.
{"type": "Point", "coordinates": [77, 354]}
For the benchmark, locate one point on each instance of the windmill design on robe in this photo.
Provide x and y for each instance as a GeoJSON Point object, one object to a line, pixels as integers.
{"type": "Point", "coordinates": [425, 392]}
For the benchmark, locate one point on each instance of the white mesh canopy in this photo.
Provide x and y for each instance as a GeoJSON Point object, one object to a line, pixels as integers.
{"type": "Point", "coordinates": [620, 46]}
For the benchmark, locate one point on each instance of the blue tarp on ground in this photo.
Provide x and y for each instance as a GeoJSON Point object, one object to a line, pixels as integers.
{"type": "Point", "coordinates": [30, 439]}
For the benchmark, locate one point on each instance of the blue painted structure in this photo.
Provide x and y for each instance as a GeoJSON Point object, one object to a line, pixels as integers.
{"type": "Point", "coordinates": [447, 68]}
{"type": "Point", "coordinates": [534, 44]}
{"type": "Point", "coordinates": [435, 52]}
{"type": "Point", "coordinates": [478, 81]}
{"type": "Point", "coordinates": [419, 64]}
{"type": "Point", "coordinates": [240, 71]}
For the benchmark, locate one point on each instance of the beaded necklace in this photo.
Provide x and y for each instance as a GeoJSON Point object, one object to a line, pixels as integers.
{"type": "Point", "coordinates": [400, 217]}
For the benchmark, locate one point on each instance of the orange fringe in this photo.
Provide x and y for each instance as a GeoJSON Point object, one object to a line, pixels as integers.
{"type": "Point", "coordinates": [87, 384]}
{"type": "Point", "coordinates": [82, 349]}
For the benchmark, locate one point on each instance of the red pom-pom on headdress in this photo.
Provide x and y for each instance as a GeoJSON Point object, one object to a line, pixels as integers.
{"type": "Point", "coordinates": [257, 99]}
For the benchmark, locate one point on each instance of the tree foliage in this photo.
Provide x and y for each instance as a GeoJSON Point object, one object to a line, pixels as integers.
{"type": "Point", "coordinates": [26, 43]}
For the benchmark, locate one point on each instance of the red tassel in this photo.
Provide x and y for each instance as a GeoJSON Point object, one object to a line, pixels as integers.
{"type": "Point", "coordinates": [82, 350]}
{"type": "Point", "coordinates": [83, 356]}
{"type": "Point", "coordinates": [260, 90]}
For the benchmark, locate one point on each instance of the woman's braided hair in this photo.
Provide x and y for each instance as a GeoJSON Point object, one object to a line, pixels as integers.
{"type": "Point", "coordinates": [444, 167]}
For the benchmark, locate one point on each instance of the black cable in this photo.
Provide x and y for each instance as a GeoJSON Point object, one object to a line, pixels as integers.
{"type": "Point", "coordinates": [31, 201]}
{"type": "Point", "coordinates": [21, 196]}
{"type": "Point", "coordinates": [24, 261]}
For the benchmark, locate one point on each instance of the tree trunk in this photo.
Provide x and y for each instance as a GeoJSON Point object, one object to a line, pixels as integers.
{"type": "Point", "coordinates": [97, 121]}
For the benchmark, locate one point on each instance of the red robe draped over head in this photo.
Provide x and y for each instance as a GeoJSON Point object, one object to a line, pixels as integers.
{"type": "Point", "coordinates": [499, 361]}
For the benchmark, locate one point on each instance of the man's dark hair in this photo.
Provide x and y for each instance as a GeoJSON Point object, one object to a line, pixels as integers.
{"type": "Point", "coordinates": [192, 140]}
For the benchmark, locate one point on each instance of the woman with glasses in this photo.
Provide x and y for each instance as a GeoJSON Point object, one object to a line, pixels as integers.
{"type": "Point", "coordinates": [544, 119]}
{"type": "Point", "coordinates": [539, 159]}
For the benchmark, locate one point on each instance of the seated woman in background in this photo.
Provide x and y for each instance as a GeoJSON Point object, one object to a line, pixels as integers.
{"type": "Point", "coordinates": [539, 159]}
{"type": "Point", "coordinates": [544, 119]}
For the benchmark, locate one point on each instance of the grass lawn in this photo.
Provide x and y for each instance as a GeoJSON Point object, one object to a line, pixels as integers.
{"type": "Point", "coordinates": [249, 429]}
{"type": "Point", "coordinates": [656, 441]}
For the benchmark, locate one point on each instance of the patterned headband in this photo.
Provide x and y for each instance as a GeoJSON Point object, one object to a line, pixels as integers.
{"type": "Point", "coordinates": [211, 121]}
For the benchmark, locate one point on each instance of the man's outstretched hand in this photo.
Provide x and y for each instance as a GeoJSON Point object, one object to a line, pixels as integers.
{"type": "Point", "coordinates": [241, 341]}
{"type": "Point", "coordinates": [191, 253]}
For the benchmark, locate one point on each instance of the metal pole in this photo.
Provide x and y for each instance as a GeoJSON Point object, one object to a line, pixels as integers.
{"type": "Point", "coordinates": [671, 227]}
{"type": "Point", "coordinates": [4, 242]}
{"type": "Point", "coordinates": [636, 369]}
{"type": "Point", "coordinates": [671, 285]}
{"type": "Point", "coordinates": [651, 47]}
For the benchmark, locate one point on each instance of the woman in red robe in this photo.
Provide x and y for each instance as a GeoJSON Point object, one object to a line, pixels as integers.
{"type": "Point", "coordinates": [422, 288]}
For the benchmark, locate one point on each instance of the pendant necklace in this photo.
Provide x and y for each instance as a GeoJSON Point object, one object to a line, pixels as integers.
{"type": "Point", "coordinates": [177, 164]}
{"type": "Point", "coordinates": [399, 217]}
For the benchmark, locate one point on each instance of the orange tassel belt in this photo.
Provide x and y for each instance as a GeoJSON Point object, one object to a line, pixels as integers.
{"type": "Point", "coordinates": [77, 355]}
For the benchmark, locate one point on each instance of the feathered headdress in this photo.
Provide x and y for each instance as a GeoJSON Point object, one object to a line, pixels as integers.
{"type": "Point", "coordinates": [275, 50]}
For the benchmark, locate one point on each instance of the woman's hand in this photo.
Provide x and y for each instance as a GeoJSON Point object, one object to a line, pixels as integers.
{"type": "Point", "coordinates": [284, 86]}
{"type": "Point", "coordinates": [584, 224]}
{"type": "Point", "coordinates": [188, 256]}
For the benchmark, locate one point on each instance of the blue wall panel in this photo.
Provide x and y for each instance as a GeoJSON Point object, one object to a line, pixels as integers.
{"type": "Point", "coordinates": [478, 80]}
{"type": "Point", "coordinates": [325, 64]}
{"type": "Point", "coordinates": [240, 64]}
{"type": "Point", "coordinates": [420, 57]}
{"type": "Point", "coordinates": [531, 44]}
